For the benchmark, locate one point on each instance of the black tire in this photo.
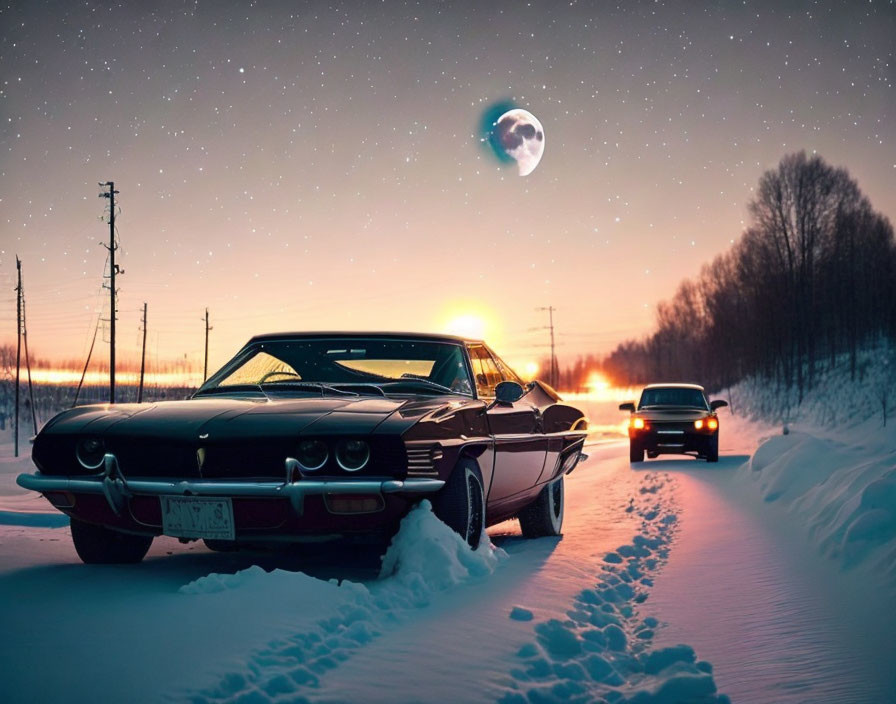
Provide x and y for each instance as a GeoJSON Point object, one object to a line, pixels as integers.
{"type": "Point", "coordinates": [635, 452]}
{"type": "Point", "coordinates": [712, 454]}
{"type": "Point", "coordinates": [97, 545]}
{"type": "Point", "coordinates": [460, 504]}
{"type": "Point", "coordinates": [221, 545]}
{"type": "Point", "coordinates": [544, 516]}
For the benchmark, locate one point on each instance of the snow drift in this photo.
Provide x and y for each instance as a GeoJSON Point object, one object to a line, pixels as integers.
{"type": "Point", "coordinates": [832, 462]}
{"type": "Point", "coordinates": [425, 558]}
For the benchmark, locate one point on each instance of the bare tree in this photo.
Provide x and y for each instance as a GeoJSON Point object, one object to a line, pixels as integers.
{"type": "Point", "coordinates": [812, 277]}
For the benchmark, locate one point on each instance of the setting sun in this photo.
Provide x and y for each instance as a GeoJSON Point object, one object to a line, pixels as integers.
{"type": "Point", "coordinates": [530, 370]}
{"type": "Point", "coordinates": [472, 320]}
{"type": "Point", "coordinates": [467, 326]}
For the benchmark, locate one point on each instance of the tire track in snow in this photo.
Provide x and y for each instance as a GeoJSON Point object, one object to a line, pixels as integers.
{"type": "Point", "coordinates": [426, 558]}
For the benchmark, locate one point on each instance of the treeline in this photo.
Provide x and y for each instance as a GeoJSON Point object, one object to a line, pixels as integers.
{"type": "Point", "coordinates": [577, 376]}
{"type": "Point", "coordinates": [813, 277]}
{"type": "Point", "coordinates": [51, 398]}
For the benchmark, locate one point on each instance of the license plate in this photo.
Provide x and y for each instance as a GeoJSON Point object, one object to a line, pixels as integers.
{"type": "Point", "coordinates": [197, 517]}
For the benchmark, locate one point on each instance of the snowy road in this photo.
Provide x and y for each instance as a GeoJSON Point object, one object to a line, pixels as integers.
{"type": "Point", "coordinates": [667, 552]}
{"type": "Point", "coordinates": [778, 623]}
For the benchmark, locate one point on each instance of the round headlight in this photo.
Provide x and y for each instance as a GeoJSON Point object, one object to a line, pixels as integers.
{"type": "Point", "coordinates": [312, 454]}
{"type": "Point", "coordinates": [352, 455]}
{"type": "Point", "coordinates": [90, 453]}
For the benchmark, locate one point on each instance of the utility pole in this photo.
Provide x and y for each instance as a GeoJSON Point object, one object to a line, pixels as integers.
{"type": "Point", "coordinates": [550, 310]}
{"type": "Point", "coordinates": [18, 346]}
{"type": "Point", "coordinates": [142, 358]}
{"type": "Point", "coordinates": [113, 270]}
{"type": "Point", "coordinates": [205, 366]}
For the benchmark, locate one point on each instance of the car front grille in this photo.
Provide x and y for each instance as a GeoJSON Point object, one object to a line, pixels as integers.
{"type": "Point", "coordinates": [260, 458]}
{"type": "Point", "coordinates": [673, 426]}
{"type": "Point", "coordinates": [157, 458]}
{"type": "Point", "coordinates": [245, 460]}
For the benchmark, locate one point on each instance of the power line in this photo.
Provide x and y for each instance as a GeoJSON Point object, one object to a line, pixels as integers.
{"type": "Point", "coordinates": [205, 365]}
{"type": "Point", "coordinates": [142, 358]}
{"type": "Point", "coordinates": [550, 310]}
{"type": "Point", "coordinates": [86, 364]}
{"type": "Point", "coordinates": [28, 364]}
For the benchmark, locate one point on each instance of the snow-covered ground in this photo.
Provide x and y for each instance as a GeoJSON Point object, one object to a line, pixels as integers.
{"type": "Point", "coordinates": [767, 577]}
{"type": "Point", "coordinates": [834, 471]}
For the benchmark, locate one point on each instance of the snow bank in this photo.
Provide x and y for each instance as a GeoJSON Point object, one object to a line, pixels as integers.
{"type": "Point", "coordinates": [833, 465]}
{"type": "Point", "coordinates": [424, 559]}
{"type": "Point", "coordinates": [603, 650]}
{"type": "Point", "coordinates": [845, 496]}
{"type": "Point", "coordinates": [426, 556]}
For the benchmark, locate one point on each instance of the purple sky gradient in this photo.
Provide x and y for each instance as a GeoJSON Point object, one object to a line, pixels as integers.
{"type": "Point", "coordinates": [319, 165]}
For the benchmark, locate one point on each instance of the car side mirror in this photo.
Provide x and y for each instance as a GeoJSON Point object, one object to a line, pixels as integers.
{"type": "Point", "coordinates": [718, 403]}
{"type": "Point", "coordinates": [508, 392]}
{"type": "Point", "coordinates": [630, 407]}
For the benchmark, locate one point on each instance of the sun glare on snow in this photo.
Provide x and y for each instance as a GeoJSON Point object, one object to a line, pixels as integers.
{"type": "Point", "coordinates": [598, 383]}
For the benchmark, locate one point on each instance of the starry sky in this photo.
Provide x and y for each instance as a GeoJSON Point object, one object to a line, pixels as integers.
{"type": "Point", "coordinates": [311, 165]}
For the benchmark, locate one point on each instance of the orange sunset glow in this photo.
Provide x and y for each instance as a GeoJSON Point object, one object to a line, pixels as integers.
{"type": "Point", "coordinates": [344, 198]}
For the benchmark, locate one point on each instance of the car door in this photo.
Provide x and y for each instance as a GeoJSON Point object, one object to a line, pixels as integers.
{"type": "Point", "coordinates": [519, 440]}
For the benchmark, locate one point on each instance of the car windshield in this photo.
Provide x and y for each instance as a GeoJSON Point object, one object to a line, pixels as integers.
{"type": "Point", "coordinates": [346, 365]}
{"type": "Point", "coordinates": [690, 398]}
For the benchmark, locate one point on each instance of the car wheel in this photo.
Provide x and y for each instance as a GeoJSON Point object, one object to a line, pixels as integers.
{"type": "Point", "coordinates": [544, 516]}
{"type": "Point", "coordinates": [97, 545]}
{"type": "Point", "coordinates": [635, 452]}
{"type": "Point", "coordinates": [221, 545]}
{"type": "Point", "coordinates": [712, 454]}
{"type": "Point", "coordinates": [461, 502]}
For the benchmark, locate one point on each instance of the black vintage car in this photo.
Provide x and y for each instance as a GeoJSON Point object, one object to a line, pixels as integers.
{"type": "Point", "coordinates": [673, 419]}
{"type": "Point", "coordinates": [308, 436]}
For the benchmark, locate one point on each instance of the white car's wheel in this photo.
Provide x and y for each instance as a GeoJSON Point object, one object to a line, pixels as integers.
{"type": "Point", "coordinates": [544, 516]}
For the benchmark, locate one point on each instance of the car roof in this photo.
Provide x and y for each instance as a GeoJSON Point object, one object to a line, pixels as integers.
{"type": "Point", "coordinates": [674, 386]}
{"type": "Point", "coordinates": [429, 337]}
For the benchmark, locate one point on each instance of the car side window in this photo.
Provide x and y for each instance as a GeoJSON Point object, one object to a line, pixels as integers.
{"type": "Point", "coordinates": [485, 371]}
{"type": "Point", "coordinates": [507, 373]}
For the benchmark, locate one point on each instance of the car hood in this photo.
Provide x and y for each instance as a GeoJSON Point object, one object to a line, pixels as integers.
{"type": "Point", "coordinates": [233, 418]}
{"type": "Point", "coordinates": [673, 414]}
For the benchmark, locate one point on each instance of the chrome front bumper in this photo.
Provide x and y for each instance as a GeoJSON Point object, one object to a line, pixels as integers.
{"type": "Point", "coordinates": [117, 489]}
